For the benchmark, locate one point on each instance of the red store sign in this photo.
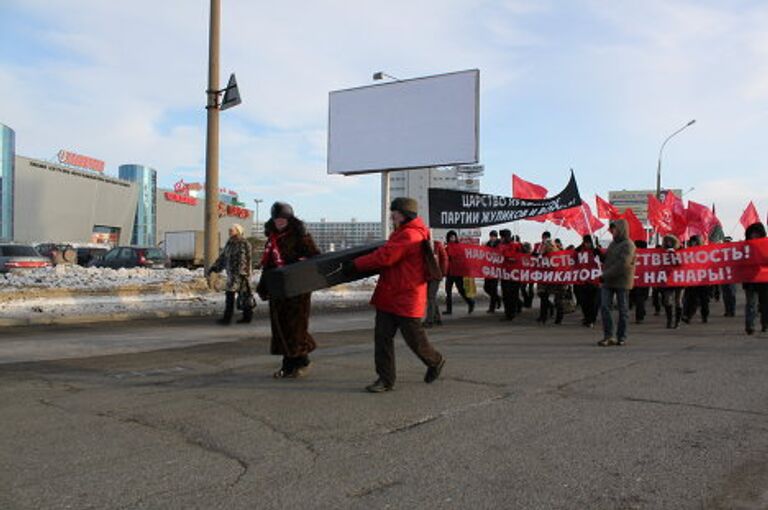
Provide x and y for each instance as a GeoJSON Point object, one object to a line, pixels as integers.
{"type": "Point", "coordinates": [72, 159]}
{"type": "Point", "coordinates": [182, 199]}
{"type": "Point", "coordinates": [233, 210]}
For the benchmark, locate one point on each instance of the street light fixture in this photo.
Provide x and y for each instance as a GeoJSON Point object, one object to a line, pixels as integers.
{"type": "Point", "coordinates": [381, 75]}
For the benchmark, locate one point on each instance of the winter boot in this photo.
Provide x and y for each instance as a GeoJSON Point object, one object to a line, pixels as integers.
{"type": "Point", "coordinates": [668, 312]}
{"type": "Point", "coordinates": [247, 316]}
{"type": "Point", "coordinates": [229, 309]}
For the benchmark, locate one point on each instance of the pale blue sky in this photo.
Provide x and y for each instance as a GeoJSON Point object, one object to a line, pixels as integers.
{"type": "Point", "coordinates": [593, 85]}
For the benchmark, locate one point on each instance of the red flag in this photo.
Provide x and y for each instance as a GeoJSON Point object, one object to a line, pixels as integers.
{"type": "Point", "coordinates": [659, 216]}
{"type": "Point", "coordinates": [524, 189]}
{"type": "Point", "coordinates": [700, 219]}
{"type": "Point", "coordinates": [749, 216]}
{"type": "Point", "coordinates": [636, 229]}
{"type": "Point", "coordinates": [606, 210]}
{"type": "Point", "coordinates": [679, 222]}
{"type": "Point", "coordinates": [582, 221]}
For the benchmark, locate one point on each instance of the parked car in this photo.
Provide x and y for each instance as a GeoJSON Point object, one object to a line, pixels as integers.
{"type": "Point", "coordinates": [133, 256]}
{"type": "Point", "coordinates": [86, 254]}
{"type": "Point", "coordinates": [19, 257]}
{"type": "Point", "coordinates": [58, 253]}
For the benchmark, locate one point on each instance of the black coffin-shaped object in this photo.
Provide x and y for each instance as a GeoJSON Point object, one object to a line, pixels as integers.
{"type": "Point", "coordinates": [316, 273]}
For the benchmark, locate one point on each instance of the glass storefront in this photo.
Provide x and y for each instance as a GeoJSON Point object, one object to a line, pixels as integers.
{"type": "Point", "coordinates": [7, 177]}
{"type": "Point", "coordinates": [145, 224]}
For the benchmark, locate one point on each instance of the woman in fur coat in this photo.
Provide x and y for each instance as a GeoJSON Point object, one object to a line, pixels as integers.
{"type": "Point", "coordinates": [287, 243]}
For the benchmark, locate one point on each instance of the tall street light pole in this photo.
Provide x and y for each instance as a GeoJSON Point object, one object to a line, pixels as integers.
{"type": "Point", "coordinates": [658, 169]}
{"type": "Point", "coordinates": [211, 250]}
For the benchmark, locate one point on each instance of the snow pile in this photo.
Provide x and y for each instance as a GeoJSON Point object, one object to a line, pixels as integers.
{"type": "Point", "coordinates": [94, 278]}
{"type": "Point", "coordinates": [99, 278]}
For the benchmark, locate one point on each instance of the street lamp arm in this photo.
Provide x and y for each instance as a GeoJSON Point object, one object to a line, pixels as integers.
{"type": "Point", "coordinates": [658, 168]}
{"type": "Point", "coordinates": [672, 135]}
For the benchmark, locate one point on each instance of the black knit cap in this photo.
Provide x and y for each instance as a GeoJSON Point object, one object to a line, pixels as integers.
{"type": "Point", "coordinates": [281, 210]}
{"type": "Point", "coordinates": [407, 206]}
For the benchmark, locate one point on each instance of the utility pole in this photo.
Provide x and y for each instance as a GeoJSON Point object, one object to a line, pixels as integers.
{"type": "Point", "coordinates": [212, 140]}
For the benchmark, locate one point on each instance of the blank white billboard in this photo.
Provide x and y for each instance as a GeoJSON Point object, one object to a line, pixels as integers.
{"type": "Point", "coordinates": [430, 121]}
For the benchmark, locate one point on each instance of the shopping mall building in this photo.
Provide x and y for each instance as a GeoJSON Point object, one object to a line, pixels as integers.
{"type": "Point", "coordinates": [73, 200]}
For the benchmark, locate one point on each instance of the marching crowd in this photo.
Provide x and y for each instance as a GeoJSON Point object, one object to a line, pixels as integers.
{"type": "Point", "coordinates": [411, 267]}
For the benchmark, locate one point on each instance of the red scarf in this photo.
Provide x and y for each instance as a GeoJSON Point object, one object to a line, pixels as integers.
{"type": "Point", "coordinates": [272, 256]}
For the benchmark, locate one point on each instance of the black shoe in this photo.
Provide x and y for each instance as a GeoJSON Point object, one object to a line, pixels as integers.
{"type": "Point", "coordinates": [224, 321]}
{"type": "Point", "coordinates": [764, 328]}
{"type": "Point", "coordinates": [621, 341]}
{"type": "Point", "coordinates": [471, 307]}
{"type": "Point", "coordinates": [379, 387]}
{"type": "Point", "coordinates": [491, 310]}
{"type": "Point", "coordinates": [703, 320]}
{"type": "Point", "coordinates": [447, 312]}
{"type": "Point", "coordinates": [434, 372]}
{"type": "Point", "coordinates": [285, 373]}
{"type": "Point", "coordinates": [244, 320]}
{"type": "Point", "coordinates": [606, 342]}
{"type": "Point", "coordinates": [749, 331]}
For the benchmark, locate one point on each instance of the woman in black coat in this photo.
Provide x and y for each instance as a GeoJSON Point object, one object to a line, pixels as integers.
{"type": "Point", "coordinates": [287, 243]}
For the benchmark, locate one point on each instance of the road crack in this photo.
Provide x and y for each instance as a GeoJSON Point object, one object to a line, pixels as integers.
{"type": "Point", "coordinates": [449, 412]}
{"type": "Point", "coordinates": [195, 438]}
{"type": "Point", "coordinates": [696, 406]}
{"type": "Point", "coordinates": [291, 438]}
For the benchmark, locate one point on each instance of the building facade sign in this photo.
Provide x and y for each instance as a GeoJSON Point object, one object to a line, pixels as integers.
{"type": "Point", "coordinates": [178, 197]}
{"type": "Point", "coordinates": [80, 161]}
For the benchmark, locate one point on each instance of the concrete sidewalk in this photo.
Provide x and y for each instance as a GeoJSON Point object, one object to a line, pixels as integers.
{"type": "Point", "coordinates": [524, 417]}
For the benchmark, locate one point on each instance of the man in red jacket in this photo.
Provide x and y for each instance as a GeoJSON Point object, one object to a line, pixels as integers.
{"type": "Point", "coordinates": [401, 294]}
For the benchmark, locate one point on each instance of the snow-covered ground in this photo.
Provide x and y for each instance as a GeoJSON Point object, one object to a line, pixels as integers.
{"type": "Point", "coordinates": [72, 292]}
{"type": "Point", "coordinates": [93, 278]}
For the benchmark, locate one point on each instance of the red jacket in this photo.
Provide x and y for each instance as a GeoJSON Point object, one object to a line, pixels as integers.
{"type": "Point", "coordinates": [402, 287]}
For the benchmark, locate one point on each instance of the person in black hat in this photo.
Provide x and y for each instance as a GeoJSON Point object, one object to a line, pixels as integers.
{"type": "Point", "coordinates": [400, 297]}
{"type": "Point", "coordinates": [287, 243]}
{"type": "Point", "coordinates": [451, 238]}
{"type": "Point", "coordinates": [491, 285]}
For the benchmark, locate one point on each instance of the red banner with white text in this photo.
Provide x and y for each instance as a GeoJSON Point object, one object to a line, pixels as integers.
{"type": "Point", "coordinates": [713, 264]}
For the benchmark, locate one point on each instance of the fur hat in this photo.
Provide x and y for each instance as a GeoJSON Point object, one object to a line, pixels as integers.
{"type": "Point", "coordinates": [407, 206]}
{"type": "Point", "coordinates": [281, 210]}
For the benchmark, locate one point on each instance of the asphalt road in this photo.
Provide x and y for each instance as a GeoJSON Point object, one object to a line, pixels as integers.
{"type": "Point", "coordinates": [184, 414]}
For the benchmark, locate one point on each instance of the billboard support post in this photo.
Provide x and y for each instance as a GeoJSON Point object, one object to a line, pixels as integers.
{"type": "Point", "coordinates": [386, 199]}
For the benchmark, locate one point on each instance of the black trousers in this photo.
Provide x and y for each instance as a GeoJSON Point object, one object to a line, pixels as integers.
{"type": "Point", "coordinates": [590, 302]}
{"type": "Point", "coordinates": [458, 281]}
{"type": "Point", "coordinates": [491, 287]}
{"type": "Point", "coordinates": [510, 296]}
{"type": "Point", "coordinates": [695, 298]}
{"type": "Point", "coordinates": [656, 299]}
{"type": "Point", "coordinates": [638, 297]}
{"type": "Point", "coordinates": [387, 325]}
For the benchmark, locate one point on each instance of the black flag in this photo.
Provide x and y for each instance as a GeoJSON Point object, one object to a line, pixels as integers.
{"type": "Point", "coordinates": [464, 209]}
